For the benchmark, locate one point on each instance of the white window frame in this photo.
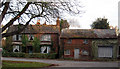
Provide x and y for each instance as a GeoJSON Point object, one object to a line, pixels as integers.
{"type": "Point", "coordinates": [20, 37]}
{"type": "Point", "coordinates": [43, 48]}
{"type": "Point", "coordinates": [16, 47]}
{"type": "Point", "coordinates": [67, 52]}
{"type": "Point", "coordinates": [85, 52]}
{"type": "Point", "coordinates": [46, 37]}
{"type": "Point", "coordinates": [85, 41]}
{"type": "Point", "coordinates": [15, 37]}
{"type": "Point", "coordinates": [31, 36]}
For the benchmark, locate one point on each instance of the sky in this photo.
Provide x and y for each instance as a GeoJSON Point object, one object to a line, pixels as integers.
{"type": "Point", "coordinates": [95, 9]}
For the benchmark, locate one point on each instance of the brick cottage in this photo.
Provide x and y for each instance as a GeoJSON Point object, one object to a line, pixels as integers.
{"type": "Point", "coordinates": [89, 43]}
{"type": "Point", "coordinates": [68, 43]}
{"type": "Point", "coordinates": [47, 34]}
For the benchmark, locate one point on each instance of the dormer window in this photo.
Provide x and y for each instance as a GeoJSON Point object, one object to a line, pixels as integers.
{"type": "Point", "coordinates": [31, 37]}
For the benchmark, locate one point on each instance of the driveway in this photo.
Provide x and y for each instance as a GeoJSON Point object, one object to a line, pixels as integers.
{"type": "Point", "coordinates": [65, 63]}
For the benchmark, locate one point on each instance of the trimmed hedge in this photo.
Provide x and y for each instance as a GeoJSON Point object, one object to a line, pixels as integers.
{"type": "Point", "coordinates": [31, 55]}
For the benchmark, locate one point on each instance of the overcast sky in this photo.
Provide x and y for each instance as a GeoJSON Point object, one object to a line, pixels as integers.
{"type": "Point", "coordinates": [94, 9]}
{"type": "Point", "coordinates": [98, 8]}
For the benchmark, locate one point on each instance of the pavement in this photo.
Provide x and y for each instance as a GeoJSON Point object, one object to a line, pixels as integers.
{"type": "Point", "coordinates": [73, 64]}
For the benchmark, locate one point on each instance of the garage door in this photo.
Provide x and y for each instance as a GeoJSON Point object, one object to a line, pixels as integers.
{"type": "Point", "coordinates": [104, 51]}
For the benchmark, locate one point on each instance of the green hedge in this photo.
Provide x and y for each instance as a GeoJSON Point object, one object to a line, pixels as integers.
{"type": "Point", "coordinates": [32, 55]}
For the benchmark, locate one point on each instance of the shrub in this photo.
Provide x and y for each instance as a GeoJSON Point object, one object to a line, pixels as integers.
{"type": "Point", "coordinates": [52, 56]}
{"type": "Point", "coordinates": [32, 55]}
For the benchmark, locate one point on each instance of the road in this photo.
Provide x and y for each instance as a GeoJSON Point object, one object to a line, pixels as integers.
{"type": "Point", "coordinates": [66, 63]}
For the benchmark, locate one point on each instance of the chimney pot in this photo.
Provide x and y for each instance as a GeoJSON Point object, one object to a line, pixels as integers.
{"type": "Point", "coordinates": [38, 22]}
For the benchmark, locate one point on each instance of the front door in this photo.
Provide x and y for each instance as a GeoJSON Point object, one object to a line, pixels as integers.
{"type": "Point", "coordinates": [30, 49]}
{"type": "Point", "coordinates": [76, 53]}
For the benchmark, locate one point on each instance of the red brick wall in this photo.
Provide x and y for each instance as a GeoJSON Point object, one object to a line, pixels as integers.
{"type": "Point", "coordinates": [54, 40]}
{"type": "Point", "coordinates": [76, 43]}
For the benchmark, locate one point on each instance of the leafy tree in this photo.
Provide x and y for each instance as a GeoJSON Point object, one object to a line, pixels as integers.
{"type": "Point", "coordinates": [36, 44]}
{"type": "Point", "coordinates": [100, 23]}
{"type": "Point", "coordinates": [25, 11]}
{"type": "Point", "coordinates": [64, 24]}
{"type": "Point", "coordinates": [24, 40]}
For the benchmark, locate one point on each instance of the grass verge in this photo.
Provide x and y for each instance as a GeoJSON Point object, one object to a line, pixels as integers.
{"type": "Point", "coordinates": [23, 65]}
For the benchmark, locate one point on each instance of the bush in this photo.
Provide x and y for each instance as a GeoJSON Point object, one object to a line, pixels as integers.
{"type": "Point", "coordinates": [68, 58]}
{"type": "Point", "coordinates": [32, 55]}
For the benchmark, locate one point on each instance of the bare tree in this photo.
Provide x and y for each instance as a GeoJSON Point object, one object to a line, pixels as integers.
{"type": "Point", "coordinates": [25, 12]}
{"type": "Point", "coordinates": [74, 23]}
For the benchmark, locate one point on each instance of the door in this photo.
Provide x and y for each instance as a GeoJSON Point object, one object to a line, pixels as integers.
{"type": "Point", "coordinates": [30, 49]}
{"type": "Point", "coordinates": [105, 51]}
{"type": "Point", "coordinates": [76, 53]}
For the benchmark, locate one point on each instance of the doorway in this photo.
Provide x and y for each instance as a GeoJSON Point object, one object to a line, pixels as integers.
{"type": "Point", "coordinates": [30, 49]}
{"type": "Point", "coordinates": [76, 53]}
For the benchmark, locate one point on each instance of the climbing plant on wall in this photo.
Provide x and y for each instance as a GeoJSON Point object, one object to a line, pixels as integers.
{"type": "Point", "coordinates": [36, 45]}
{"type": "Point", "coordinates": [24, 42]}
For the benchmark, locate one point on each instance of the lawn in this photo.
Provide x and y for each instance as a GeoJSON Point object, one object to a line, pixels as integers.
{"type": "Point", "coordinates": [22, 64]}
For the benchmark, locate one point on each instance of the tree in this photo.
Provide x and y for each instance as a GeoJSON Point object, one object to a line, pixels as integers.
{"type": "Point", "coordinates": [64, 24]}
{"type": "Point", "coordinates": [100, 23]}
{"type": "Point", "coordinates": [24, 42]}
{"type": "Point", "coordinates": [25, 12]}
{"type": "Point", "coordinates": [36, 45]}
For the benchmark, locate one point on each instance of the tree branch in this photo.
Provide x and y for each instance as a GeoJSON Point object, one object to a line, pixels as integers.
{"type": "Point", "coordinates": [17, 31]}
{"type": "Point", "coordinates": [4, 12]}
{"type": "Point", "coordinates": [15, 18]}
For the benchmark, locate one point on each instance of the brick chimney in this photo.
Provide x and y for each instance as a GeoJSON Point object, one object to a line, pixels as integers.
{"type": "Point", "coordinates": [38, 22]}
{"type": "Point", "coordinates": [58, 22]}
{"type": "Point", "coordinates": [45, 23]}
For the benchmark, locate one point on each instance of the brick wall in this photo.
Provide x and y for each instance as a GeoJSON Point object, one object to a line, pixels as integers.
{"type": "Point", "coordinates": [54, 40]}
{"type": "Point", "coordinates": [76, 43]}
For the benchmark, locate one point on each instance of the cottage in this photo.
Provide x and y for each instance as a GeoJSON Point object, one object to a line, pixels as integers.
{"type": "Point", "coordinates": [88, 43]}
{"type": "Point", "coordinates": [48, 35]}
{"type": "Point", "coordinates": [119, 45]}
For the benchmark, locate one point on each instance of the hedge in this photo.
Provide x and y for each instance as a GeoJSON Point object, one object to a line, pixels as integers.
{"type": "Point", "coordinates": [31, 55]}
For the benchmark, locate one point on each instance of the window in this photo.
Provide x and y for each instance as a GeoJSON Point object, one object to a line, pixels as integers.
{"type": "Point", "coordinates": [46, 37]}
{"type": "Point", "coordinates": [16, 48]}
{"type": "Point", "coordinates": [17, 37]}
{"type": "Point", "coordinates": [20, 37]}
{"type": "Point", "coordinates": [14, 37]}
{"type": "Point", "coordinates": [85, 41]}
{"type": "Point", "coordinates": [31, 37]}
{"type": "Point", "coordinates": [84, 52]}
{"type": "Point", "coordinates": [69, 41]}
{"type": "Point", "coordinates": [45, 49]}
{"type": "Point", "coordinates": [67, 52]}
